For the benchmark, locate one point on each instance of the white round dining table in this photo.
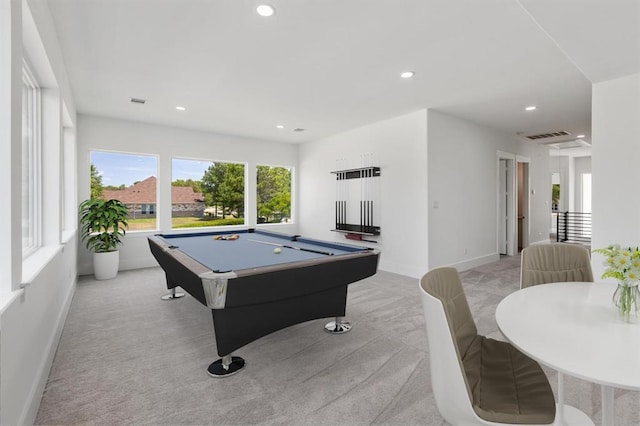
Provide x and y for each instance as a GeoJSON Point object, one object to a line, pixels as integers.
{"type": "Point", "coordinates": [572, 328]}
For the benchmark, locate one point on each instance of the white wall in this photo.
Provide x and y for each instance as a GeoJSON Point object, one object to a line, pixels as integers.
{"type": "Point", "coordinates": [32, 318]}
{"type": "Point", "coordinates": [99, 133]}
{"type": "Point", "coordinates": [463, 185]}
{"type": "Point", "coordinates": [399, 147]}
{"type": "Point", "coordinates": [11, 141]}
{"type": "Point", "coordinates": [31, 328]}
{"type": "Point", "coordinates": [582, 165]}
{"type": "Point", "coordinates": [615, 153]}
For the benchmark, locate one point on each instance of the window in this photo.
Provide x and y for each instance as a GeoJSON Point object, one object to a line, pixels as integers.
{"type": "Point", "coordinates": [31, 164]}
{"type": "Point", "coordinates": [130, 178]}
{"type": "Point", "coordinates": [205, 193]}
{"type": "Point", "coordinates": [273, 194]}
{"type": "Point", "coordinates": [586, 192]}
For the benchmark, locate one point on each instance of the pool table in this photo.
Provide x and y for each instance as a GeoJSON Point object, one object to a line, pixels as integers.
{"type": "Point", "coordinates": [258, 282]}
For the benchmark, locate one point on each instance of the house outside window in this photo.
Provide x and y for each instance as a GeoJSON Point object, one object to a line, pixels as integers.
{"type": "Point", "coordinates": [207, 193]}
{"type": "Point", "coordinates": [130, 178]}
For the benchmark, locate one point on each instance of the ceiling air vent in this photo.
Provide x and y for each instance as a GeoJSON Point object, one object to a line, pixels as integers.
{"type": "Point", "coordinates": [578, 143]}
{"type": "Point", "coordinates": [548, 135]}
{"type": "Point", "coordinates": [138, 100]}
{"type": "Point", "coordinates": [298, 129]}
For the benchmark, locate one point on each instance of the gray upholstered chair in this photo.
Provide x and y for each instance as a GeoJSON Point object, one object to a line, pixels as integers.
{"type": "Point", "coordinates": [551, 263]}
{"type": "Point", "coordinates": [477, 380]}
{"type": "Point", "coordinates": [557, 262]}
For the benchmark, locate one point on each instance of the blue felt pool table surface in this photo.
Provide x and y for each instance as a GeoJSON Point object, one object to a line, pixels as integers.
{"type": "Point", "coordinates": [250, 251]}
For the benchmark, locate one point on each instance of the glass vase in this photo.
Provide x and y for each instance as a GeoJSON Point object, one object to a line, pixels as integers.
{"type": "Point", "coordinates": [626, 302]}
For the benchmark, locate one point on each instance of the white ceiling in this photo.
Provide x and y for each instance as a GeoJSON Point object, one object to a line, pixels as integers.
{"type": "Point", "coordinates": [332, 65]}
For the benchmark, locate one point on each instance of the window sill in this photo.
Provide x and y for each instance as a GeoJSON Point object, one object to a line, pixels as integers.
{"type": "Point", "coordinates": [276, 224]}
{"type": "Point", "coordinates": [203, 229]}
{"type": "Point", "coordinates": [35, 263]}
{"type": "Point", "coordinates": [68, 236]}
{"type": "Point", "coordinates": [140, 233]}
{"type": "Point", "coordinates": [6, 298]}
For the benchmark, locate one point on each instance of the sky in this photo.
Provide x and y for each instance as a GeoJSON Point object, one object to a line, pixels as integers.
{"type": "Point", "coordinates": [117, 169]}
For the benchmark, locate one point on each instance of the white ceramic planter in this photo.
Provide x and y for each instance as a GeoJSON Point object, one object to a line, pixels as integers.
{"type": "Point", "coordinates": [105, 265]}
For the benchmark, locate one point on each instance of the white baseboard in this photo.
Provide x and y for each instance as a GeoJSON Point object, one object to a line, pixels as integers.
{"type": "Point", "coordinates": [547, 241]}
{"type": "Point", "coordinates": [85, 268]}
{"type": "Point", "coordinates": [418, 271]}
{"type": "Point", "coordinates": [139, 263]}
{"type": "Point", "coordinates": [475, 262]}
{"type": "Point", "coordinates": [412, 271]}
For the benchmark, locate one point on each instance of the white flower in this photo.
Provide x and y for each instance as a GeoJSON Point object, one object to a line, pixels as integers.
{"type": "Point", "coordinates": [622, 260]}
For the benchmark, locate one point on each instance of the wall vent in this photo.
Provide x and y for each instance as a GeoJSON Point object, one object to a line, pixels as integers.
{"type": "Point", "coordinates": [138, 100]}
{"type": "Point", "coordinates": [547, 135]}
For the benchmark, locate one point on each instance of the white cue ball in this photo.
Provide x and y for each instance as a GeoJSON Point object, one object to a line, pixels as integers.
{"type": "Point", "coordinates": [277, 250]}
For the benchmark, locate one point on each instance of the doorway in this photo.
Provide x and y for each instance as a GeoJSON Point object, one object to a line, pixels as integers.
{"type": "Point", "coordinates": [512, 203]}
{"type": "Point", "coordinates": [503, 203]}
{"type": "Point", "coordinates": [523, 204]}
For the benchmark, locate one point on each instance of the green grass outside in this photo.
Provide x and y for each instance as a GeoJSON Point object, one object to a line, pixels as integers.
{"type": "Point", "coordinates": [183, 222]}
{"type": "Point", "coordinates": [196, 222]}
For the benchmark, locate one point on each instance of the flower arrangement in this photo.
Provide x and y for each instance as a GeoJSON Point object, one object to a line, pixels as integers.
{"type": "Point", "coordinates": [623, 264]}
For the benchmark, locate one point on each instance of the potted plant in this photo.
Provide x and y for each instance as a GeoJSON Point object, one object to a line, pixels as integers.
{"type": "Point", "coordinates": [102, 225]}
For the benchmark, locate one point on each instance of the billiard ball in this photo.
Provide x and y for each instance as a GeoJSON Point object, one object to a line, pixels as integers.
{"type": "Point", "coordinates": [277, 250]}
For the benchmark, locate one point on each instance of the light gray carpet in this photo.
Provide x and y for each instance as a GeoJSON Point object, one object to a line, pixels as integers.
{"type": "Point", "coordinates": [127, 357]}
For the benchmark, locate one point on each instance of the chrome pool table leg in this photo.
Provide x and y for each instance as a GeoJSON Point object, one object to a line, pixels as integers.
{"type": "Point", "coordinates": [172, 295]}
{"type": "Point", "coordinates": [338, 326]}
{"type": "Point", "coordinates": [226, 366]}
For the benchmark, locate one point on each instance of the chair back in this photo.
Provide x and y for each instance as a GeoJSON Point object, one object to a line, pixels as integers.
{"type": "Point", "coordinates": [475, 380]}
{"type": "Point", "coordinates": [557, 262]}
{"type": "Point", "coordinates": [450, 332]}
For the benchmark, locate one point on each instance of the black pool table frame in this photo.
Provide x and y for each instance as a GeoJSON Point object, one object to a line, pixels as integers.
{"type": "Point", "coordinates": [251, 303]}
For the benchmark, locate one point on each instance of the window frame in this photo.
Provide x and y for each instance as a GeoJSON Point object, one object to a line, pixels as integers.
{"type": "Point", "coordinates": [33, 100]}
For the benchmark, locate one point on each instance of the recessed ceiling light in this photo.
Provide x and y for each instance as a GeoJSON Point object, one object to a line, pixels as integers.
{"type": "Point", "coordinates": [407, 74]}
{"type": "Point", "coordinates": [580, 136]}
{"type": "Point", "coordinates": [280, 126]}
{"type": "Point", "coordinates": [180, 108]}
{"type": "Point", "coordinates": [530, 108]}
{"type": "Point", "coordinates": [265, 10]}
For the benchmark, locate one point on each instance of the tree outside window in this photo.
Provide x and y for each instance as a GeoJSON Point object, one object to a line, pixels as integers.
{"type": "Point", "coordinates": [205, 193]}
{"type": "Point", "coordinates": [223, 189]}
{"type": "Point", "coordinates": [96, 183]}
{"type": "Point", "coordinates": [273, 193]}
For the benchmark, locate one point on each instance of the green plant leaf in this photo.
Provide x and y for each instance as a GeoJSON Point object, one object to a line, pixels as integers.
{"type": "Point", "coordinates": [103, 224]}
